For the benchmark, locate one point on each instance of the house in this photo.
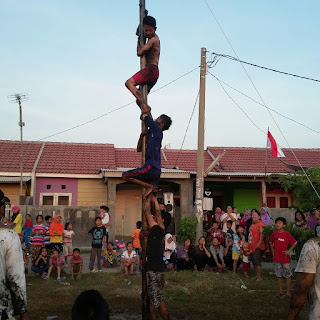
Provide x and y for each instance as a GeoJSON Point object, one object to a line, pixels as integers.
{"type": "Point", "coordinates": [89, 174]}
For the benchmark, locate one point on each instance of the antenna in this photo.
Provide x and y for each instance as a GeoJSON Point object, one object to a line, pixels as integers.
{"type": "Point", "coordinates": [17, 98]}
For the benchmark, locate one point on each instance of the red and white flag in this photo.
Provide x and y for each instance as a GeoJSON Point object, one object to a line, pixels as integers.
{"type": "Point", "coordinates": [276, 151]}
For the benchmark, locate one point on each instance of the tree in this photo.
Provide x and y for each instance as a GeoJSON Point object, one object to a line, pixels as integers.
{"type": "Point", "coordinates": [305, 197]}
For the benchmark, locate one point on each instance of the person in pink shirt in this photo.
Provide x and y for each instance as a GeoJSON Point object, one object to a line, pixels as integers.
{"type": "Point", "coordinates": [280, 240]}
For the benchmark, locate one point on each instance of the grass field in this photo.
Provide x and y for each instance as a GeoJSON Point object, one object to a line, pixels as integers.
{"type": "Point", "coordinates": [188, 295]}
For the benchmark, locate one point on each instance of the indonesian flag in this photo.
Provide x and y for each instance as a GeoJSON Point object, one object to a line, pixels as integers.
{"type": "Point", "coordinates": [276, 151]}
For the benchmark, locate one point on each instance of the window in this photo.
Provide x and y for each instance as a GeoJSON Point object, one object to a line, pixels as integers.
{"type": "Point", "coordinates": [47, 200]}
{"type": "Point", "coordinates": [63, 186]}
{"type": "Point", "coordinates": [284, 202]}
{"type": "Point", "coordinates": [55, 199]}
{"type": "Point", "coordinates": [271, 202]}
{"type": "Point", "coordinates": [48, 186]}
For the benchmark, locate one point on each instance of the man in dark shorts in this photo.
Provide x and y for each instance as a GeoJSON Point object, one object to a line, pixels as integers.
{"type": "Point", "coordinates": [155, 266]}
{"type": "Point", "coordinates": [149, 75]}
{"type": "Point", "coordinates": [148, 176]}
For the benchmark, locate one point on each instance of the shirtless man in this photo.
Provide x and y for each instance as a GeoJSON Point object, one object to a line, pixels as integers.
{"type": "Point", "coordinates": [149, 75]}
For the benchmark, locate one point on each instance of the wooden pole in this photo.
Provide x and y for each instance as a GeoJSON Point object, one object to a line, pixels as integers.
{"type": "Point", "coordinates": [144, 240]}
{"type": "Point", "coordinates": [200, 153]}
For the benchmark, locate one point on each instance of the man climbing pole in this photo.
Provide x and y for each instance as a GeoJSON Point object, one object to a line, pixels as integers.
{"type": "Point", "coordinates": [151, 50]}
{"type": "Point", "coordinates": [148, 175]}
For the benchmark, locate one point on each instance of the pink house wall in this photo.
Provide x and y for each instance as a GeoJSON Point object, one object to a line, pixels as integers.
{"type": "Point", "coordinates": [56, 183]}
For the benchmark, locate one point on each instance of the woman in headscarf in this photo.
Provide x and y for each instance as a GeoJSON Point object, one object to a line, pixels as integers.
{"type": "Point", "coordinates": [56, 232]}
{"type": "Point", "coordinates": [264, 216]}
{"type": "Point", "coordinates": [170, 252]}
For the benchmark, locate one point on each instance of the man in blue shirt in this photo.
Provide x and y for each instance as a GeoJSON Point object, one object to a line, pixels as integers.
{"type": "Point", "coordinates": [148, 176]}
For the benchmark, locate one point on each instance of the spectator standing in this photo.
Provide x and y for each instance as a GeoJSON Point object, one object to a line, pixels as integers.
{"type": "Point", "coordinates": [166, 216]}
{"type": "Point", "coordinates": [68, 234]}
{"type": "Point", "coordinates": [99, 234]}
{"type": "Point", "coordinates": [16, 220]}
{"type": "Point", "coordinates": [37, 233]}
{"type": "Point", "coordinates": [136, 238]}
{"type": "Point", "coordinates": [56, 232]}
{"type": "Point", "coordinates": [264, 216]}
{"type": "Point", "coordinates": [229, 215]}
{"type": "Point", "coordinates": [238, 241]}
{"type": "Point", "coordinates": [27, 229]}
{"type": "Point", "coordinates": [217, 216]}
{"type": "Point", "coordinates": [256, 243]}
{"type": "Point", "coordinates": [308, 281]}
{"type": "Point", "coordinates": [279, 240]}
{"type": "Point", "coordinates": [47, 237]}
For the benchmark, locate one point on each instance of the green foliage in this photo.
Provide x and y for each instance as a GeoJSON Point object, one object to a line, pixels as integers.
{"type": "Point", "coordinates": [188, 229]}
{"type": "Point", "coordinates": [305, 197]}
{"type": "Point", "coordinates": [299, 234]}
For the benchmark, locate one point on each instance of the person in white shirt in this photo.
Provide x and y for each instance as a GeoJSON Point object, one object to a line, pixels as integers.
{"type": "Point", "coordinates": [13, 292]}
{"type": "Point", "coordinates": [308, 281]}
{"type": "Point", "coordinates": [229, 215]}
{"type": "Point", "coordinates": [128, 259]}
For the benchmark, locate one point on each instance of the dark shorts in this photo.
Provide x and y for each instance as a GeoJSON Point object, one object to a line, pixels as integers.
{"type": "Point", "coordinates": [256, 257]}
{"type": "Point", "coordinates": [147, 173]}
{"type": "Point", "coordinates": [148, 75]}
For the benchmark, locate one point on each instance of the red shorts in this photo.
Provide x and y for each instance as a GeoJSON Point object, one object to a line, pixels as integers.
{"type": "Point", "coordinates": [245, 266]}
{"type": "Point", "coordinates": [148, 75]}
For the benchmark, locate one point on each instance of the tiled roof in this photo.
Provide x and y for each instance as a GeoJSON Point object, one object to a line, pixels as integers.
{"type": "Point", "coordinates": [57, 157]}
{"type": "Point", "coordinates": [253, 159]}
{"type": "Point", "coordinates": [10, 155]}
{"type": "Point", "coordinates": [90, 158]}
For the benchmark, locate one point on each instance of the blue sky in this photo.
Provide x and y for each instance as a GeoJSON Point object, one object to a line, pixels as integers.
{"type": "Point", "coordinates": [73, 57]}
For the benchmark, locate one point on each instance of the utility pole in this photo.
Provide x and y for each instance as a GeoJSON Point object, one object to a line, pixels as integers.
{"type": "Point", "coordinates": [17, 97]}
{"type": "Point", "coordinates": [200, 153]}
{"type": "Point", "coordinates": [144, 239]}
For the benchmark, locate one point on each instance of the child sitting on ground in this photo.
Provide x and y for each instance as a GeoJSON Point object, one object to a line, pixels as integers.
{"type": "Point", "coordinates": [67, 241]}
{"type": "Point", "coordinates": [128, 259]}
{"type": "Point", "coordinates": [76, 263]}
{"type": "Point", "coordinates": [279, 241]}
{"type": "Point", "coordinates": [110, 256]}
{"type": "Point", "coordinates": [55, 264]}
{"type": "Point", "coordinates": [170, 252]}
{"type": "Point", "coordinates": [41, 264]}
{"type": "Point", "coordinates": [245, 258]}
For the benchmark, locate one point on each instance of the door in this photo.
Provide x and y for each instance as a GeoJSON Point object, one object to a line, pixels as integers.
{"type": "Point", "coordinates": [128, 211]}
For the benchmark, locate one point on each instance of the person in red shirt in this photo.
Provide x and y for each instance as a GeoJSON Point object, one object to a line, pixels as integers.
{"type": "Point", "coordinates": [216, 233]}
{"type": "Point", "coordinates": [279, 241]}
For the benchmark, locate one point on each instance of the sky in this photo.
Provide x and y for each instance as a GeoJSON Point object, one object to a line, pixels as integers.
{"type": "Point", "coordinates": [72, 59]}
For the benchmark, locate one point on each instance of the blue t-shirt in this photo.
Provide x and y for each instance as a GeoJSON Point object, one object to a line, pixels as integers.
{"type": "Point", "coordinates": [153, 146]}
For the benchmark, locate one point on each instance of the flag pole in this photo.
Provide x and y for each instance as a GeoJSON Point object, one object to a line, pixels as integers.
{"type": "Point", "coordinates": [264, 186]}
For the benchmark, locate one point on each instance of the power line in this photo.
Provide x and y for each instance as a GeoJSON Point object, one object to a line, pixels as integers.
{"type": "Point", "coordinates": [257, 102]}
{"type": "Point", "coordinates": [185, 134]}
{"type": "Point", "coordinates": [264, 104]}
{"type": "Point", "coordinates": [265, 68]}
{"type": "Point", "coordinates": [116, 109]}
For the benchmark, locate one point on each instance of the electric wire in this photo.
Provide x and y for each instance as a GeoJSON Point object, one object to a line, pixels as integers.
{"type": "Point", "coordinates": [116, 109]}
{"type": "Point", "coordinates": [257, 102]}
{"type": "Point", "coordinates": [257, 91]}
{"type": "Point", "coordinates": [187, 128]}
{"type": "Point", "coordinates": [265, 68]}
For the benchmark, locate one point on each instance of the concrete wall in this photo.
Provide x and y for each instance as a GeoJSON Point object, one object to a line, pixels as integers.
{"type": "Point", "coordinates": [286, 213]}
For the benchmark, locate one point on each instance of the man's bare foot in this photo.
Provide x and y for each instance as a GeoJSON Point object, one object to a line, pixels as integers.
{"type": "Point", "coordinates": [150, 190]}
